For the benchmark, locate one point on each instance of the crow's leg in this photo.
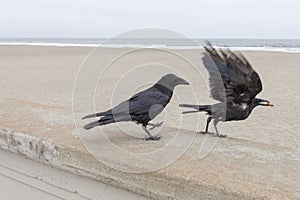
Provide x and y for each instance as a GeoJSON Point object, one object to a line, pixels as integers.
{"type": "Point", "coordinates": [206, 128]}
{"type": "Point", "coordinates": [217, 132]}
{"type": "Point", "coordinates": [151, 137]}
{"type": "Point", "coordinates": [155, 125]}
{"type": "Point", "coordinates": [207, 124]}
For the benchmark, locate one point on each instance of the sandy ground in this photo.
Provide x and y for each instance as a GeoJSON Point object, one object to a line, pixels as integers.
{"type": "Point", "coordinates": [46, 75]}
{"type": "Point", "coordinates": [259, 159]}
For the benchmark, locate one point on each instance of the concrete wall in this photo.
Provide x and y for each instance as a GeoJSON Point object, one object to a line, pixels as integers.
{"type": "Point", "coordinates": [26, 179]}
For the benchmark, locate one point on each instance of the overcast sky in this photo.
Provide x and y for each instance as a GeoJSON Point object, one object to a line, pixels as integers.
{"type": "Point", "coordinates": [194, 18]}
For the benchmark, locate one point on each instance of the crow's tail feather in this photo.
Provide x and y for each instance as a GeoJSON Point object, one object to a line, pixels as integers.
{"type": "Point", "coordinates": [206, 108]}
{"type": "Point", "coordinates": [191, 111]}
{"type": "Point", "coordinates": [97, 114]}
{"type": "Point", "coordinates": [103, 121]}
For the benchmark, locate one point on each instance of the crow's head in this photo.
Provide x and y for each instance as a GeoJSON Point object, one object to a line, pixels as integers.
{"type": "Point", "coordinates": [171, 80]}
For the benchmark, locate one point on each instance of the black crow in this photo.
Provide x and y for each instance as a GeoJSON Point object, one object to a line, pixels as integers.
{"type": "Point", "coordinates": [142, 107]}
{"type": "Point", "coordinates": [234, 83]}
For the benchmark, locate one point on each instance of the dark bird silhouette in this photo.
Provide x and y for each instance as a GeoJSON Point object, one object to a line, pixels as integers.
{"type": "Point", "coordinates": [142, 107]}
{"type": "Point", "coordinates": [234, 83]}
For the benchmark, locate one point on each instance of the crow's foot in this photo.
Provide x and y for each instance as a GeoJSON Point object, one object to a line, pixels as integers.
{"type": "Point", "coordinates": [220, 135]}
{"type": "Point", "coordinates": [152, 138]}
{"type": "Point", "coordinates": [203, 132]}
{"type": "Point", "coordinates": [155, 125]}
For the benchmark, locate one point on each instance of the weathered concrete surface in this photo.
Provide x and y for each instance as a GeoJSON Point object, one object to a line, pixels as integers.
{"type": "Point", "coordinates": [260, 159]}
{"type": "Point", "coordinates": [36, 180]}
{"type": "Point", "coordinates": [234, 169]}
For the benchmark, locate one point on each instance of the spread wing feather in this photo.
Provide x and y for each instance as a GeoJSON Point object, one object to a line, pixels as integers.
{"type": "Point", "coordinates": [231, 77]}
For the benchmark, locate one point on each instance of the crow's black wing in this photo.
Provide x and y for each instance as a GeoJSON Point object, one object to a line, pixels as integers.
{"type": "Point", "coordinates": [142, 102]}
{"type": "Point", "coordinates": [142, 107]}
{"type": "Point", "coordinates": [217, 76]}
{"type": "Point", "coordinates": [232, 79]}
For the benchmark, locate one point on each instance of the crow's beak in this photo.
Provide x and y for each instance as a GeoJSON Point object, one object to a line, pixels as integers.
{"type": "Point", "coordinates": [182, 82]}
{"type": "Point", "coordinates": [266, 104]}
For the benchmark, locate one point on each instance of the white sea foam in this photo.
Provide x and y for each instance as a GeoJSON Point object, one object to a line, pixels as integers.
{"type": "Point", "coordinates": [47, 44]}
{"type": "Point", "coordinates": [157, 46]}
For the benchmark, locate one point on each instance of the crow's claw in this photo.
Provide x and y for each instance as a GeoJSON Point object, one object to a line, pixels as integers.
{"type": "Point", "coordinates": [152, 138]}
{"type": "Point", "coordinates": [203, 132]}
{"type": "Point", "coordinates": [155, 125]}
{"type": "Point", "coordinates": [220, 135]}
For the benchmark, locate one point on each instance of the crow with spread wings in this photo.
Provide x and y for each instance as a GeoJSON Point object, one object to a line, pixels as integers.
{"type": "Point", "coordinates": [234, 83]}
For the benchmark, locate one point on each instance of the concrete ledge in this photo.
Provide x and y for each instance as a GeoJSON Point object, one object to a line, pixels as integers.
{"type": "Point", "coordinates": [37, 180]}
{"type": "Point", "coordinates": [235, 169]}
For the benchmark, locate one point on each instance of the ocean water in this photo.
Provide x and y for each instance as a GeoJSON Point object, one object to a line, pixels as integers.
{"type": "Point", "coordinates": [277, 45]}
